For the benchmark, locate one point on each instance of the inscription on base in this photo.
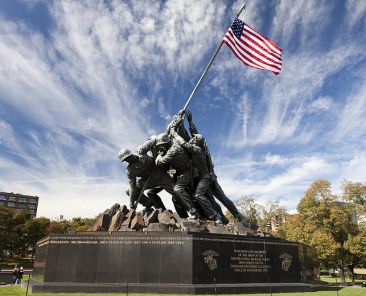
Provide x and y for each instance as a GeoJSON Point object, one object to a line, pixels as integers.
{"type": "Point", "coordinates": [145, 240]}
{"type": "Point", "coordinates": [250, 261]}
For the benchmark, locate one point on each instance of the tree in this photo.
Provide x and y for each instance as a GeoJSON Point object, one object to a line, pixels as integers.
{"type": "Point", "coordinates": [18, 232]}
{"type": "Point", "coordinates": [308, 233]}
{"type": "Point", "coordinates": [35, 229]}
{"type": "Point", "coordinates": [81, 224]}
{"type": "Point", "coordinates": [64, 226]}
{"type": "Point", "coordinates": [325, 223]}
{"type": "Point", "coordinates": [6, 229]}
{"type": "Point", "coordinates": [77, 224]}
{"type": "Point", "coordinates": [19, 220]}
{"type": "Point", "coordinates": [355, 192]}
{"type": "Point", "coordinates": [53, 227]}
{"type": "Point", "coordinates": [11, 234]}
{"type": "Point", "coordinates": [249, 209]}
{"type": "Point", "coordinates": [272, 216]}
{"type": "Point", "coordinates": [269, 217]}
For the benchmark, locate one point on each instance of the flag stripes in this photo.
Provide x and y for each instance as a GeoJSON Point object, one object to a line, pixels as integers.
{"type": "Point", "coordinates": [252, 48]}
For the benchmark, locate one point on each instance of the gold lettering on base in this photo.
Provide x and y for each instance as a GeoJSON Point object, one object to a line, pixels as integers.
{"type": "Point", "coordinates": [249, 261]}
{"type": "Point", "coordinates": [147, 240]}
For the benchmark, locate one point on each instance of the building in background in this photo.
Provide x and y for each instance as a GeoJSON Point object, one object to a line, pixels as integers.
{"type": "Point", "coordinates": [20, 202]}
{"type": "Point", "coordinates": [58, 219]}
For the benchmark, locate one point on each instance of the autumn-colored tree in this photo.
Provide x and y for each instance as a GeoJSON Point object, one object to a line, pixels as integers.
{"type": "Point", "coordinates": [356, 248]}
{"type": "Point", "coordinates": [53, 227]}
{"type": "Point", "coordinates": [307, 233]}
{"type": "Point", "coordinates": [355, 192]}
{"type": "Point", "coordinates": [325, 223]}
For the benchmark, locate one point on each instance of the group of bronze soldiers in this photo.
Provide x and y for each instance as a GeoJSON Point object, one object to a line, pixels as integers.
{"type": "Point", "coordinates": [180, 163]}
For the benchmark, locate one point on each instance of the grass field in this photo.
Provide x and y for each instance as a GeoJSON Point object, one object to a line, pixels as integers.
{"type": "Point", "coordinates": [17, 291]}
{"type": "Point", "coordinates": [332, 280]}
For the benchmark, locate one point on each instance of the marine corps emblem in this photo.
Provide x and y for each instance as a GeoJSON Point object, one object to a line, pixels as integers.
{"type": "Point", "coordinates": [286, 263]}
{"type": "Point", "coordinates": [208, 257]}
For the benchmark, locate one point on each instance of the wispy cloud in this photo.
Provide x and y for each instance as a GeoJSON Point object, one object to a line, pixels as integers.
{"type": "Point", "coordinates": [286, 178]}
{"type": "Point", "coordinates": [7, 137]}
{"type": "Point", "coordinates": [106, 75]}
{"type": "Point", "coordinates": [76, 92]}
{"type": "Point", "coordinates": [321, 104]}
{"type": "Point", "coordinates": [351, 121]}
{"type": "Point", "coordinates": [356, 12]}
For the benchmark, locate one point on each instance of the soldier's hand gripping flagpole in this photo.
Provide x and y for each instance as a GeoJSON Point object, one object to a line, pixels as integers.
{"type": "Point", "coordinates": [186, 105]}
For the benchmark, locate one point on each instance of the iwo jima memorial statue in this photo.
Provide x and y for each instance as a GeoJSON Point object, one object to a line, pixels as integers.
{"type": "Point", "coordinates": [194, 250]}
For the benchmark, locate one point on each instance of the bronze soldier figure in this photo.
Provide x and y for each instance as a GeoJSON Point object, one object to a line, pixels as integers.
{"type": "Point", "coordinates": [139, 168]}
{"type": "Point", "coordinates": [199, 161]}
{"type": "Point", "coordinates": [215, 186]}
{"type": "Point", "coordinates": [150, 147]}
{"type": "Point", "coordinates": [171, 154]}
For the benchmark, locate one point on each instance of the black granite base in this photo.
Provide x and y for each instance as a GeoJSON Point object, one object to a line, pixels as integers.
{"type": "Point", "coordinates": [170, 262]}
{"type": "Point", "coordinates": [185, 289]}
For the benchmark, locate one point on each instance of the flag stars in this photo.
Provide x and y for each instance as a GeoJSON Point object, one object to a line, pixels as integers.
{"type": "Point", "coordinates": [237, 28]}
{"type": "Point", "coordinates": [252, 48]}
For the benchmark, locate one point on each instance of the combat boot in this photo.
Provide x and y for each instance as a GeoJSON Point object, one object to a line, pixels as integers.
{"type": "Point", "coordinates": [194, 212]}
{"type": "Point", "coordinates": [242, 220]}
{"type": "Point", "coordinates": [217, 218]}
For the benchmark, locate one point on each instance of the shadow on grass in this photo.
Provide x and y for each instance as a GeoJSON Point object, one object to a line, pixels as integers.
{"type": "Point", "coordinates": [327, 288]}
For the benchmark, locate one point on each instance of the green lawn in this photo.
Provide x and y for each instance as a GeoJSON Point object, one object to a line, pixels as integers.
{"type": "Point", "coordinates": [332, 280]}
{"type": "Point", "coordinates": [17, 291]}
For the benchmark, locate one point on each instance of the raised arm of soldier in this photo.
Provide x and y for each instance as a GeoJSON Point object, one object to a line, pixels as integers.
{"type": "Point", "coordinates": [194, 131]}
{"type": "Point", "coordinates": [192, 127]}
{"type": "Point", "coordinates": [188, 146]}
{"type": "Point", "coordinates": [181, 130]}
{"type": "Point", "coordinates": [174, 123]}
{"type": "Point", "coordinates": [149, 145]}
{"type": "Point", "coordinates": [177, 123]}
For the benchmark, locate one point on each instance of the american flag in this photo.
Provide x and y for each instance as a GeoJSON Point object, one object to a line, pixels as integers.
{"type": "Point", "coordinates": [252, 48]}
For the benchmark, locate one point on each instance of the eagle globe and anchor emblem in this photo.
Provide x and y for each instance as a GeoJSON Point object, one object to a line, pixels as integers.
{"type": "Point", "coordinates": [286, 261]}
{"type": "Point", "coordinates": [208, 257]}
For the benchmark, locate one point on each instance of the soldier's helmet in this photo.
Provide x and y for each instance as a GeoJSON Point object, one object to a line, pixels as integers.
{"type": "Point", "coordinates": [162, 139]}
{"type": "Point", "coordinates": [199, 139]}
{"type": "Point", "coordinates": [123, 154]}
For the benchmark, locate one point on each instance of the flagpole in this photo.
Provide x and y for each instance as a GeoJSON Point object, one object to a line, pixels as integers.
{"type": "Point", "coordinates": [208, 66]}
{"type": "Point", "coordinates": [186, 105]}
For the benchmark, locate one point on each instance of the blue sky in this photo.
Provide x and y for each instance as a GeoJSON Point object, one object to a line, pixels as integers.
{"type": "Point", "coordinates": [81, 79]}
